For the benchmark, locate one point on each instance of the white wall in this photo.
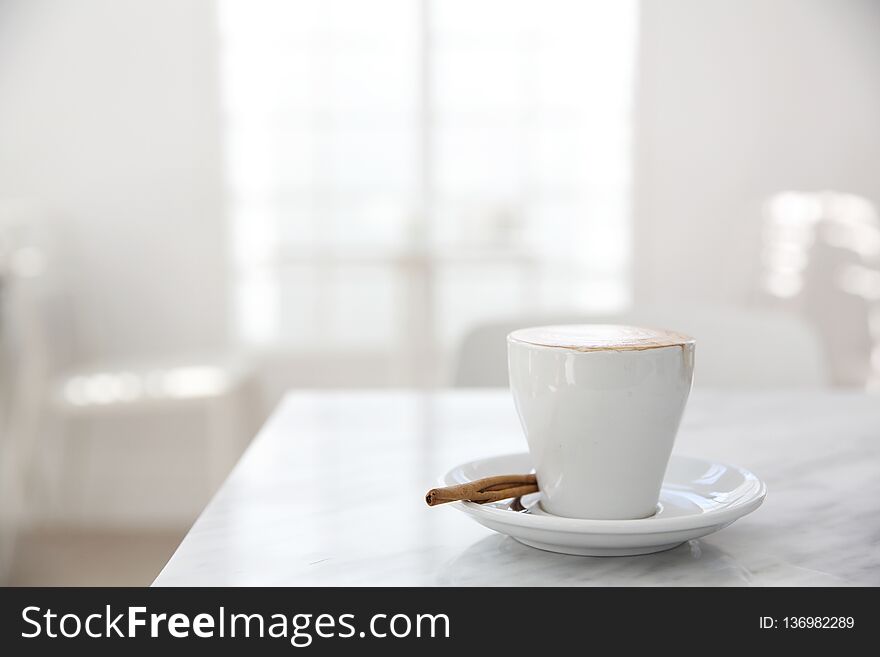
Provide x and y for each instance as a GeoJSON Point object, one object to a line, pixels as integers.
{"type": "Point", "coordinates": [109, 116]}
{"type": "Point", "coordinates": [739, 99]}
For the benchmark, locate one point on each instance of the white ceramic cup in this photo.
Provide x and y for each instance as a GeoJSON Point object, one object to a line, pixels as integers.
{"type": "Point", "coordinates": [600, 406]}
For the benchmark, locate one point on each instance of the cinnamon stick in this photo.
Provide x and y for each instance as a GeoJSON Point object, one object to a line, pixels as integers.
{"type": "Point", "coordinates": [489, 489]}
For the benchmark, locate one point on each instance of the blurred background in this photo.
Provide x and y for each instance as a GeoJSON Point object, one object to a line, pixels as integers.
{"type": "Point", "coordinates": [206, 203]}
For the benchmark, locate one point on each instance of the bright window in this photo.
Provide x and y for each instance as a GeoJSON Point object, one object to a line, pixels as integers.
{"type": "Point", "coordinates": [400, 170]}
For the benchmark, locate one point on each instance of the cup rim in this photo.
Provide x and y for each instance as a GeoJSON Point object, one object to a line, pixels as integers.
{"type": "Point", "coordinates": [665, 338]}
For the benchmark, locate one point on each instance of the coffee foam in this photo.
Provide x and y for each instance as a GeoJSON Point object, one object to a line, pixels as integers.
{"type": "Point", "coordinates": [600, 337]}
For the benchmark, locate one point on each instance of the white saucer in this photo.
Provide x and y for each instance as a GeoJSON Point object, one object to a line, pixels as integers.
{"type": "Point", "coordinates": [698, 497]}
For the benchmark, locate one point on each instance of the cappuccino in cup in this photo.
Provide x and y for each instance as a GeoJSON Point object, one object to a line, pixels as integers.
{"type": "Point", "coordinates": [600, 406]}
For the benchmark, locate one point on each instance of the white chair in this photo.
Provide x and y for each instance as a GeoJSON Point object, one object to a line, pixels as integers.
{"type": "Point", "coordinates": [736, 348]}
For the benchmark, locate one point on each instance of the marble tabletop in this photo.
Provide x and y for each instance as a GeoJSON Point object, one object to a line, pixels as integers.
{"type": "Point", "coordinates": [331, 492]}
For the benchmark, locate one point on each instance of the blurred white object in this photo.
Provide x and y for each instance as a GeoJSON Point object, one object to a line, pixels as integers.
{"type": "Point", "coordinates": [783, 350]}
{"type": "Point", "coordinates": [23, 359]}
{"type": "Point", "coordinates": [83, 440]}
{"type": "Point", "coordinates": [821, 259]}
{"type": "Point", "coordinates": [172, 427]}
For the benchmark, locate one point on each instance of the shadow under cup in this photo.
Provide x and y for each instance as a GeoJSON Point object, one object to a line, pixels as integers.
{"type": "Point", "coordinates": [600, 422]}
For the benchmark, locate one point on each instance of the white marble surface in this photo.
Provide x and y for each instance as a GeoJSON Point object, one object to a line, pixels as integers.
{"type": "Point", "coordinates": [331, 493]}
